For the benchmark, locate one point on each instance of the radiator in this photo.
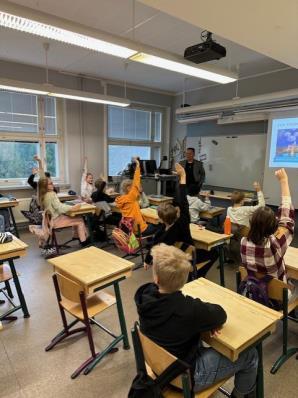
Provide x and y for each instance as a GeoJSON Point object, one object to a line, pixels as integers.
{"type": "Point", "coordinates": [23, 205]}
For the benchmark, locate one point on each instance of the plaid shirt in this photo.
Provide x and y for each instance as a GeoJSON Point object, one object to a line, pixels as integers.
{"type": "Point", "coordinates": [269, 258]}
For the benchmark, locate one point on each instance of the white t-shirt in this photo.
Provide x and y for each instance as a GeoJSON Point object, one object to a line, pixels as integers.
{"type": "Point", "coordinates": [241, 215]}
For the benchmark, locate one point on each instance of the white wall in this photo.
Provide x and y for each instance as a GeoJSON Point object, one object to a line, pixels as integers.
{"type": "Point", "coordinates": [84, 122]}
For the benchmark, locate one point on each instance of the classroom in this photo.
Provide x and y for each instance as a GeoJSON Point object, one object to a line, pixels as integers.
{"type": "Point", "coordinates": [148, 199]}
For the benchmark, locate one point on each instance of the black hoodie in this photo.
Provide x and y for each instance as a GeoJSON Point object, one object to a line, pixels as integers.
{"type": "Point", "coordinates": [175, 321]}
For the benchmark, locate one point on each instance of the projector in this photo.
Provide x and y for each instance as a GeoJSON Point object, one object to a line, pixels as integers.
{"type": "Point", "coordinates": [204, 52]}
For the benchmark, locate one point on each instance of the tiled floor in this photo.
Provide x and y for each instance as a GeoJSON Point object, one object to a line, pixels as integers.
{"type": "Point", "coordinates": [27, 371]}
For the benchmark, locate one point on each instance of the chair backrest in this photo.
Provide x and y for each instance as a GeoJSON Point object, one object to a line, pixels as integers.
{"type": "Point", "coordinates": [275, 286]}
{"type": "Point", "coordinates": [239, 231]}
{"type": "Point", "coordinates": [158, 358]}
{"type": "Point", "coordinates": [191, 250]}
{"type": "Point", "coordinates": [69, 288]}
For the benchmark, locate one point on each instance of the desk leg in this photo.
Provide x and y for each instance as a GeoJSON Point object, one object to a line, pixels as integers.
{"type": "Point", "coordinates": [221, 265]}
{"type": "Point", "coordinates": [121, 316]}
{"type": "Point", "coordinates": [89, 223]}
{"type": "Point", "coordinates": [260, 374]}
{"type": "Point", "coordinates": [14, 223]}
{"type": "Point", "coordinates": [19, 289]}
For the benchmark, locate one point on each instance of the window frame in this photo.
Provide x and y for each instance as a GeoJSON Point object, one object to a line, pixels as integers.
{"type": "Point", "coordinates": [134, 142]}
{"type": "Point", "coordinates": [41, 138]}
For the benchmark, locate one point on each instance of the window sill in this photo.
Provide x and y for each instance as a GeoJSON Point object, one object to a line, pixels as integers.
{"type": "Point", "coordinates": [27, 186]}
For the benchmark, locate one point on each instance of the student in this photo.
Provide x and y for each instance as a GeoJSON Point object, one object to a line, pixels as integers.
{"type": "Point", "coordinates": [143, 199]}
{"type": "Point", "coordinates": [102, 200]}
{"type": "Point", "coordinates": [87, 186]}
{"type": "Point", "coordinates": [175, 322]}
{"type": "Point", "coordinates": [269, 236]}
{"type": "Point", "coordinates": [128, 202]}
{"type": "Point", "coordinates": [35, 171]}
{"type": "Point", "coordinates": [175, 226]}
{"type": "Point", "coordinates": [240, 214]}
{"type": "Point", "coordinates": [196, 205]}
{"type": "Point", "coordinates": [50, 202]}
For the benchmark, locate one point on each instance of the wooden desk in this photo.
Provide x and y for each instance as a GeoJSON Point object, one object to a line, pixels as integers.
{"type": "Point", "coordinates": [156, 200]}
{"type": "Point", "coordinates": [9, 204]}
{"type": "Point", "coordinates": [207, 240]}
{"type": "Point", "coordinates": [239, 332]}
{"type": "Point", "coordinates": [85, 210]}
{"type": "Point", "coordinates": [224, 195]}
{"type": "Point", "coordinates": [92, 268]}
{"type": "Point", "coordinates": [213, 212]}
{"type": "Point", "coordinates": [9, 252]}
{"type": "Point", "coordinates": [95, 269]}
{"type": "Point", "coordinates": [64, 196]}
{"type": "Point", "coordinates": [291, 260]}
{"type": "Point", "coordinates": [150, 215]}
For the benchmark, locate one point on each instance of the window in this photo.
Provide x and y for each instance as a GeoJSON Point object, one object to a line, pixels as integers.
{"type": "Point", "coordinates": [28, 126]}
{"type": "Point", "coordinates": [131, 132]}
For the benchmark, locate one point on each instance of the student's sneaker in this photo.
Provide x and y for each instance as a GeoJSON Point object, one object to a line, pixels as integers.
{"type": "Point", "coordinates": [2, 302]}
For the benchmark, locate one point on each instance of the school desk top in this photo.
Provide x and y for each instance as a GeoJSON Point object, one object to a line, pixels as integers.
{"type": "Point", "coordinates": [247, 321]}
{"type": "Point", "coordinates": [64, 196]}
{"type": "Point", "coordinates": [5, 203]}
{"type": "Point", "coordinates": [212, 212]}
{"type": "Point", "coordinates": [92, 267]}
{"type": "Point", "coordinates": [85, 208]}
{"type": "Point", "coordinates": [291, 261]}
{"type": "Point", "coordinates": [158, 199]}
{"type": "Point", "coordinates": [205, 239]}
{"type": "Point", "coordinates": [15, 248]}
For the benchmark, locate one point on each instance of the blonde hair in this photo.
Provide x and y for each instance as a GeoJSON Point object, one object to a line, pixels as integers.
{"type": "Point", "coordinates": [42, 190]}
{"type": "Point", "coordinates": [167, 213]}
{"type": "Point", "coordinates": [125, 184]}
{"type": "Point", "coordinates": [171, 267]}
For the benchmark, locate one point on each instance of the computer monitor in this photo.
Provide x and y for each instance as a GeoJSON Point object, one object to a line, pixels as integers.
{"type": "Point", "coordinates": [150, 166]}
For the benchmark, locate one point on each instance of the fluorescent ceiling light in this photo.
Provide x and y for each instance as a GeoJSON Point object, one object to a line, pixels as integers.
{"type": "Point", "coordinates": [181, 68]}
{"type": "Point", "coordinates": [85, 96]}
{"type": "Point", "coordinates": [65, 36]}
{"type": "Point", "coordinates": [59, 92]}
{"type": "Point", "coordinates": [22, 89]}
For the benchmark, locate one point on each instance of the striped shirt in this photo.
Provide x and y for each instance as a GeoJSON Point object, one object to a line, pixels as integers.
{"type": "Point", "coordinates": [269, 257]}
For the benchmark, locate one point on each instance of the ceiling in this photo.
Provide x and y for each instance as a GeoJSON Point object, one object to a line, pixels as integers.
{"type": "Point", "coordinates": [269, 27]}
{"type": "Point", "coordinates": [152, 27]}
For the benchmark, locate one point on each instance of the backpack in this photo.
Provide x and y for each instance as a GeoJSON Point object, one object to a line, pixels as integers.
{"type": "Point", "coordinates": [143, 386]}
{"type": "Point", "coordinates": [256, 289]}
{"type": "Point", "coordinates": [124, 237]}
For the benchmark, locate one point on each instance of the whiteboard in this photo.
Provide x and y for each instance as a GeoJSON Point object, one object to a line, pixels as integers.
{"type": "Point", "coordinates": [233, 161]}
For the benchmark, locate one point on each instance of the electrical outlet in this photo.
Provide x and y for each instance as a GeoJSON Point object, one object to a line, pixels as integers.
{"type": "Point", "coordinates": [210, 167]}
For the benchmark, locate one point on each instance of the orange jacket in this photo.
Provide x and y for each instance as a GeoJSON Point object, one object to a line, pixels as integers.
{"type": "Point", "coordinates": [129, 205]}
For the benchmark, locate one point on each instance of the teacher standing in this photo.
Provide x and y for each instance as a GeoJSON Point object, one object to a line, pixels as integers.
{"type": "Point", "coordinates": [194, 169]}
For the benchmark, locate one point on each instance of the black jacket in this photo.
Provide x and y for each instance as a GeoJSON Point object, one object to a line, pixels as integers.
{"type": "Point", "coordinates": [175, 321]}
{"type": "Point", "coordinates": [179, 231]}
{"type": "Point", "coordinates": [31, 182]}
{"type": "Point", "coordinates": [198, 171]}
{"type": "Point", "coordinates": [101, 197]}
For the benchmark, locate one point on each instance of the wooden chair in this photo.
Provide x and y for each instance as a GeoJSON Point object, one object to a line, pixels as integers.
{"type": "Point", "coordinates": [5, 277]}
{"type": "Point", "coordinates": [277, 290]}
{"type": "Point", "coordinates": [156, 359]}
{"type": "Point", "coordinates": [72, 299]}
{"type": "Point", "coordinates": [191, 250]}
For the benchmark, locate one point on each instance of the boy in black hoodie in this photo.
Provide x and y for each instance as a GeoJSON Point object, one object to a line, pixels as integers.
{"type": "Point", "coordinates": [175, 321]}
{"type": "Point", "coordinates": [175, 226]}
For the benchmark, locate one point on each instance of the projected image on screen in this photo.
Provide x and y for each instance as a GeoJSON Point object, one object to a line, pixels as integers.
{"type": "Point", "coordinates": [284, 143]}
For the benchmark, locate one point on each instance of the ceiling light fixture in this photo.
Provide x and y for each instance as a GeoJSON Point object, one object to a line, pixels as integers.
{"type": "Point", "coordinates": [65, 36]}
{"type": "Point", "coordinates": [180, 67]}
{"type": "Point", "coordinates": [59, 92]}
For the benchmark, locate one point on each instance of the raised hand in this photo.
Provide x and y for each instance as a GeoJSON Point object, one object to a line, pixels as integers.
{"type": "Point", "coordinates": [257, 186]}
{"type": "Point", "coordinates": [281, 175]}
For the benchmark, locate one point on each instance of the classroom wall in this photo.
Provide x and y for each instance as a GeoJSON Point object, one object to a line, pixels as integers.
{"type": "Point", "coordinates": [282, 80]}
{"type": "Point", "coordinates": [84, 122]}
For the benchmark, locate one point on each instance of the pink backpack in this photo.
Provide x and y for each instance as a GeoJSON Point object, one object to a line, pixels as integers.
{"type": "Point", "coordinates": [124, 237]}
